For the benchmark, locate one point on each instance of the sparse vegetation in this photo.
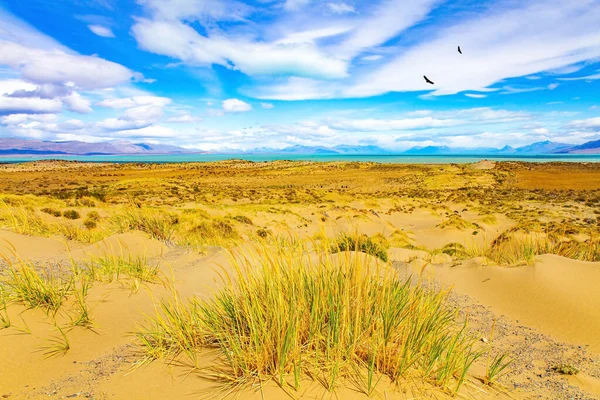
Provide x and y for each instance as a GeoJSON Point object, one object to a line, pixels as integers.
{"type": "Point", "coordinates": [26, 284]}
{"type": "Point", "coordinates": [112, 267]}
{"type": "Point", "coordinates": [291, 318]}
{"type": "Point", "coordinates": [51, 211]}
{"type": "Point", "coordinates": [157, 223]}
{"type": "Point", "coordinates": [304, 313]}
{"type": "Point", "coordinates": [71, 214]}
{"type": "Point", "coordinates": [565, 369]}
{"type": "Point", "coordinates": [362, 243]}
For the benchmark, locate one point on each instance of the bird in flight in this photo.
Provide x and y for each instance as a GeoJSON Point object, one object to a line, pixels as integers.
{"type": "Point", "coordinates": [427, 80]}
{"type": "Point", "coordinates": [459, 50]}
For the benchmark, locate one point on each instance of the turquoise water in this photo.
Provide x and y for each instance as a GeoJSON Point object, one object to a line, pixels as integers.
{"type": "Point", "coordinates": [400, 159]}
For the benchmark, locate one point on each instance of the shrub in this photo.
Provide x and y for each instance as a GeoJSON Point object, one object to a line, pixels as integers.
{"type": "Point", "coordinates": [51, 211]}
{"type": "Point", "coordinates": [565, 369]}
{"type": "Point", "coordinates": [93, 216]}
{"type": "Point", "coordinates": [71, 214]}
{"type": "Point", "coordinates": [243, 219]}
{"type": "Point", "coordinates": [263, 233]}
{"type": "Point", "coordinates": [87, 202]}
{"type": "Point", "coordinates": [215, 229]}
{"type": "Point", "coordinates": [89, 223]}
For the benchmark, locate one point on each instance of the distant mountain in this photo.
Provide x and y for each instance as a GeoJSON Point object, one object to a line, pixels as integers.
{"type": "Point", "coordinates": [10, 146]}
{"type": "Point", "coordinates": [592, 147]}
{"type": "Point", "coordinates": [546, 147]}
{"type": "Point", "coordinates": [538, 148]}
{"type": "Point", "coordinates": [445, 150]}
{"type": "Point", "coordinates": [340, 149]}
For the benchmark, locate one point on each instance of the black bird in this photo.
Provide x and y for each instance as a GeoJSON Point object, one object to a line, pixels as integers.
{"type": "Point", "coordinates": [459, 50]}
{"type": "Point", "coordinates": [427, 80]}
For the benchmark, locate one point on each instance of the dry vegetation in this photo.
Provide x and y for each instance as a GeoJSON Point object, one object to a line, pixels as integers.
{"type": "Point", "coordinates": [308, 304]}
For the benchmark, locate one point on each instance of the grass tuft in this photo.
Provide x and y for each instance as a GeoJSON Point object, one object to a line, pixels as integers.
{"type": "Point", "coordinates": [33, 287]}
{"type": "Point", "coordinates": [362, 243]}
{"type": "Point", "coordinates": [289, 315]}
{"type": "Point", "coordinates": [158, 224]}
{"type": "Point", "coordinates": [112, 267]}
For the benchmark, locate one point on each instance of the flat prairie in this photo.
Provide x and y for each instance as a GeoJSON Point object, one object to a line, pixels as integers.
{"type": "Point", "coordinates": [299, 279]}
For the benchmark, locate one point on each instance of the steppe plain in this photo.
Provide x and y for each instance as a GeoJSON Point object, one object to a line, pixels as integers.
{"type": "Point", "coordinates": [426, 281]}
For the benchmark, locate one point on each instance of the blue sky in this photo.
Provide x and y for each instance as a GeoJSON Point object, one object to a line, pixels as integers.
{"type": "Point", "coordinates": [221, 74]}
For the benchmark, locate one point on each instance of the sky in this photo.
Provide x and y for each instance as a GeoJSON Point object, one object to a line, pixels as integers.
{"type": "Point", "coordinates": [254, 74]}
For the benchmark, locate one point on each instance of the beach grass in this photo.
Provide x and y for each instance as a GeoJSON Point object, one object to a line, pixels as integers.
{"type": "Point", "coordinates": [286, 316]}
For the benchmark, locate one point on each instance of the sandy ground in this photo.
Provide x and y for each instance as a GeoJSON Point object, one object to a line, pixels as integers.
{"type": "Point", "coordinates": [546, 314]}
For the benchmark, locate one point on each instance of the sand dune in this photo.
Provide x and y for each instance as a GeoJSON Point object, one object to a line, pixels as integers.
{"type": "Point", "coordinates": [557, 295]}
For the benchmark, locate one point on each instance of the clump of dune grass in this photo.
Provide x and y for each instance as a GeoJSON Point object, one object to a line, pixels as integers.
{"type": "Point", "coordinates": [57, 346]}
{"type": "Point", "coordinates": [34, 287]}
{"type": "Point", "coordinates": [113, 267]}
{"type": "Point", "coordinates": [77, 233]}
{"type": "Point", "coordinates": [510, 250]}
{"type": "Point", "coordinates": [457, 222]}
{"type": "Point", "coordinates": [208, 233]}
{"type": "Point", "coordinates": [158, 224]}
{"type": "Point", "coordinates": [4, 317]}
{"type": "Point", "coordinates": [25, 221]}
{"type": "Point", "coordinates": [243, 219]}
{"type": "Point", "coordinates": [71, 214]}
{"type": "Point", "coordinates": [489, 219]}
{"type": "Point", "coordinates": [91, 220]}
{"type": "Point", "coordinates": [362, 243]}
{"type": "Point", "coordinates": [51, 211]}
{"type": "Point", "coordinates": [399, 238]}
{"type": "Point", "coordinates": [81, 314]}
{"type": "Point", "coordinates": [283, 315]}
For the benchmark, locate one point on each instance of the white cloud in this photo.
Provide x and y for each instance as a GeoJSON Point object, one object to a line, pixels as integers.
{"type": "Point", "coordinates": [129, 102]}
{"type": "Point", "coordinates": [311, 35]}
{"type": "Point", "coordinates": [540, 131]}
{"type": "Point", "coordinates": [295, 88]}
{"type": "Point", "coordinates": [476, 96]}
{"type": "Point", "coordinates": [144, 113]}
{"type": "Point", "coordinates": [393, 124]}
{"type": "Point", "coordinates": [266, 106]}
{"type": "Point", "coordinates": [193, 10]}
{"type": "Point", "coordinates": [10, 86]}
{"type": "Point", "coordinates": [590, 123]}
{"type": "Point", "coordinates": [181, 41]}
{"type": "Point", "coordinates": [12, 105]}
{"type": "Point", "coordinates": [71, 125]}
{"type": "Point", "coordinates": [341, 8]}
{"type": "Point", "coordinates": [77, 103]}
{"type": "Point", "coordinates": [119, 124]}
{"type": "Point", "coordinates": [503, 42]}
{"type": "Point", "coordinates": [182, 119]}
{"type": "Point", "coordinates": [211, 112]}
{"type": "Point", "coordinates": [59, 68]}
{"type": "Point", "coordinates": [293, 5]}
{"type": "Point", "coordinates": [235, 106]}
{"type": "Point", "coordinates": [101, 31]}
{"type": "Point", "coordinates": [15, 119]}
{"type": "Point", "coordinates": [373, 57]}
{"type": "Point", "coordinates": [387, 20]}
{"type": "Point", "coordinates": [154, 131]}
{"type": "Point", "coordinates": [553, 86]}
{"type": "Point", "coordinates": [581, 78]}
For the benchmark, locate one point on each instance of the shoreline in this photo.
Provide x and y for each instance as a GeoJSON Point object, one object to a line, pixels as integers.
{"type": "Point", "coordinates": [381, 159]}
